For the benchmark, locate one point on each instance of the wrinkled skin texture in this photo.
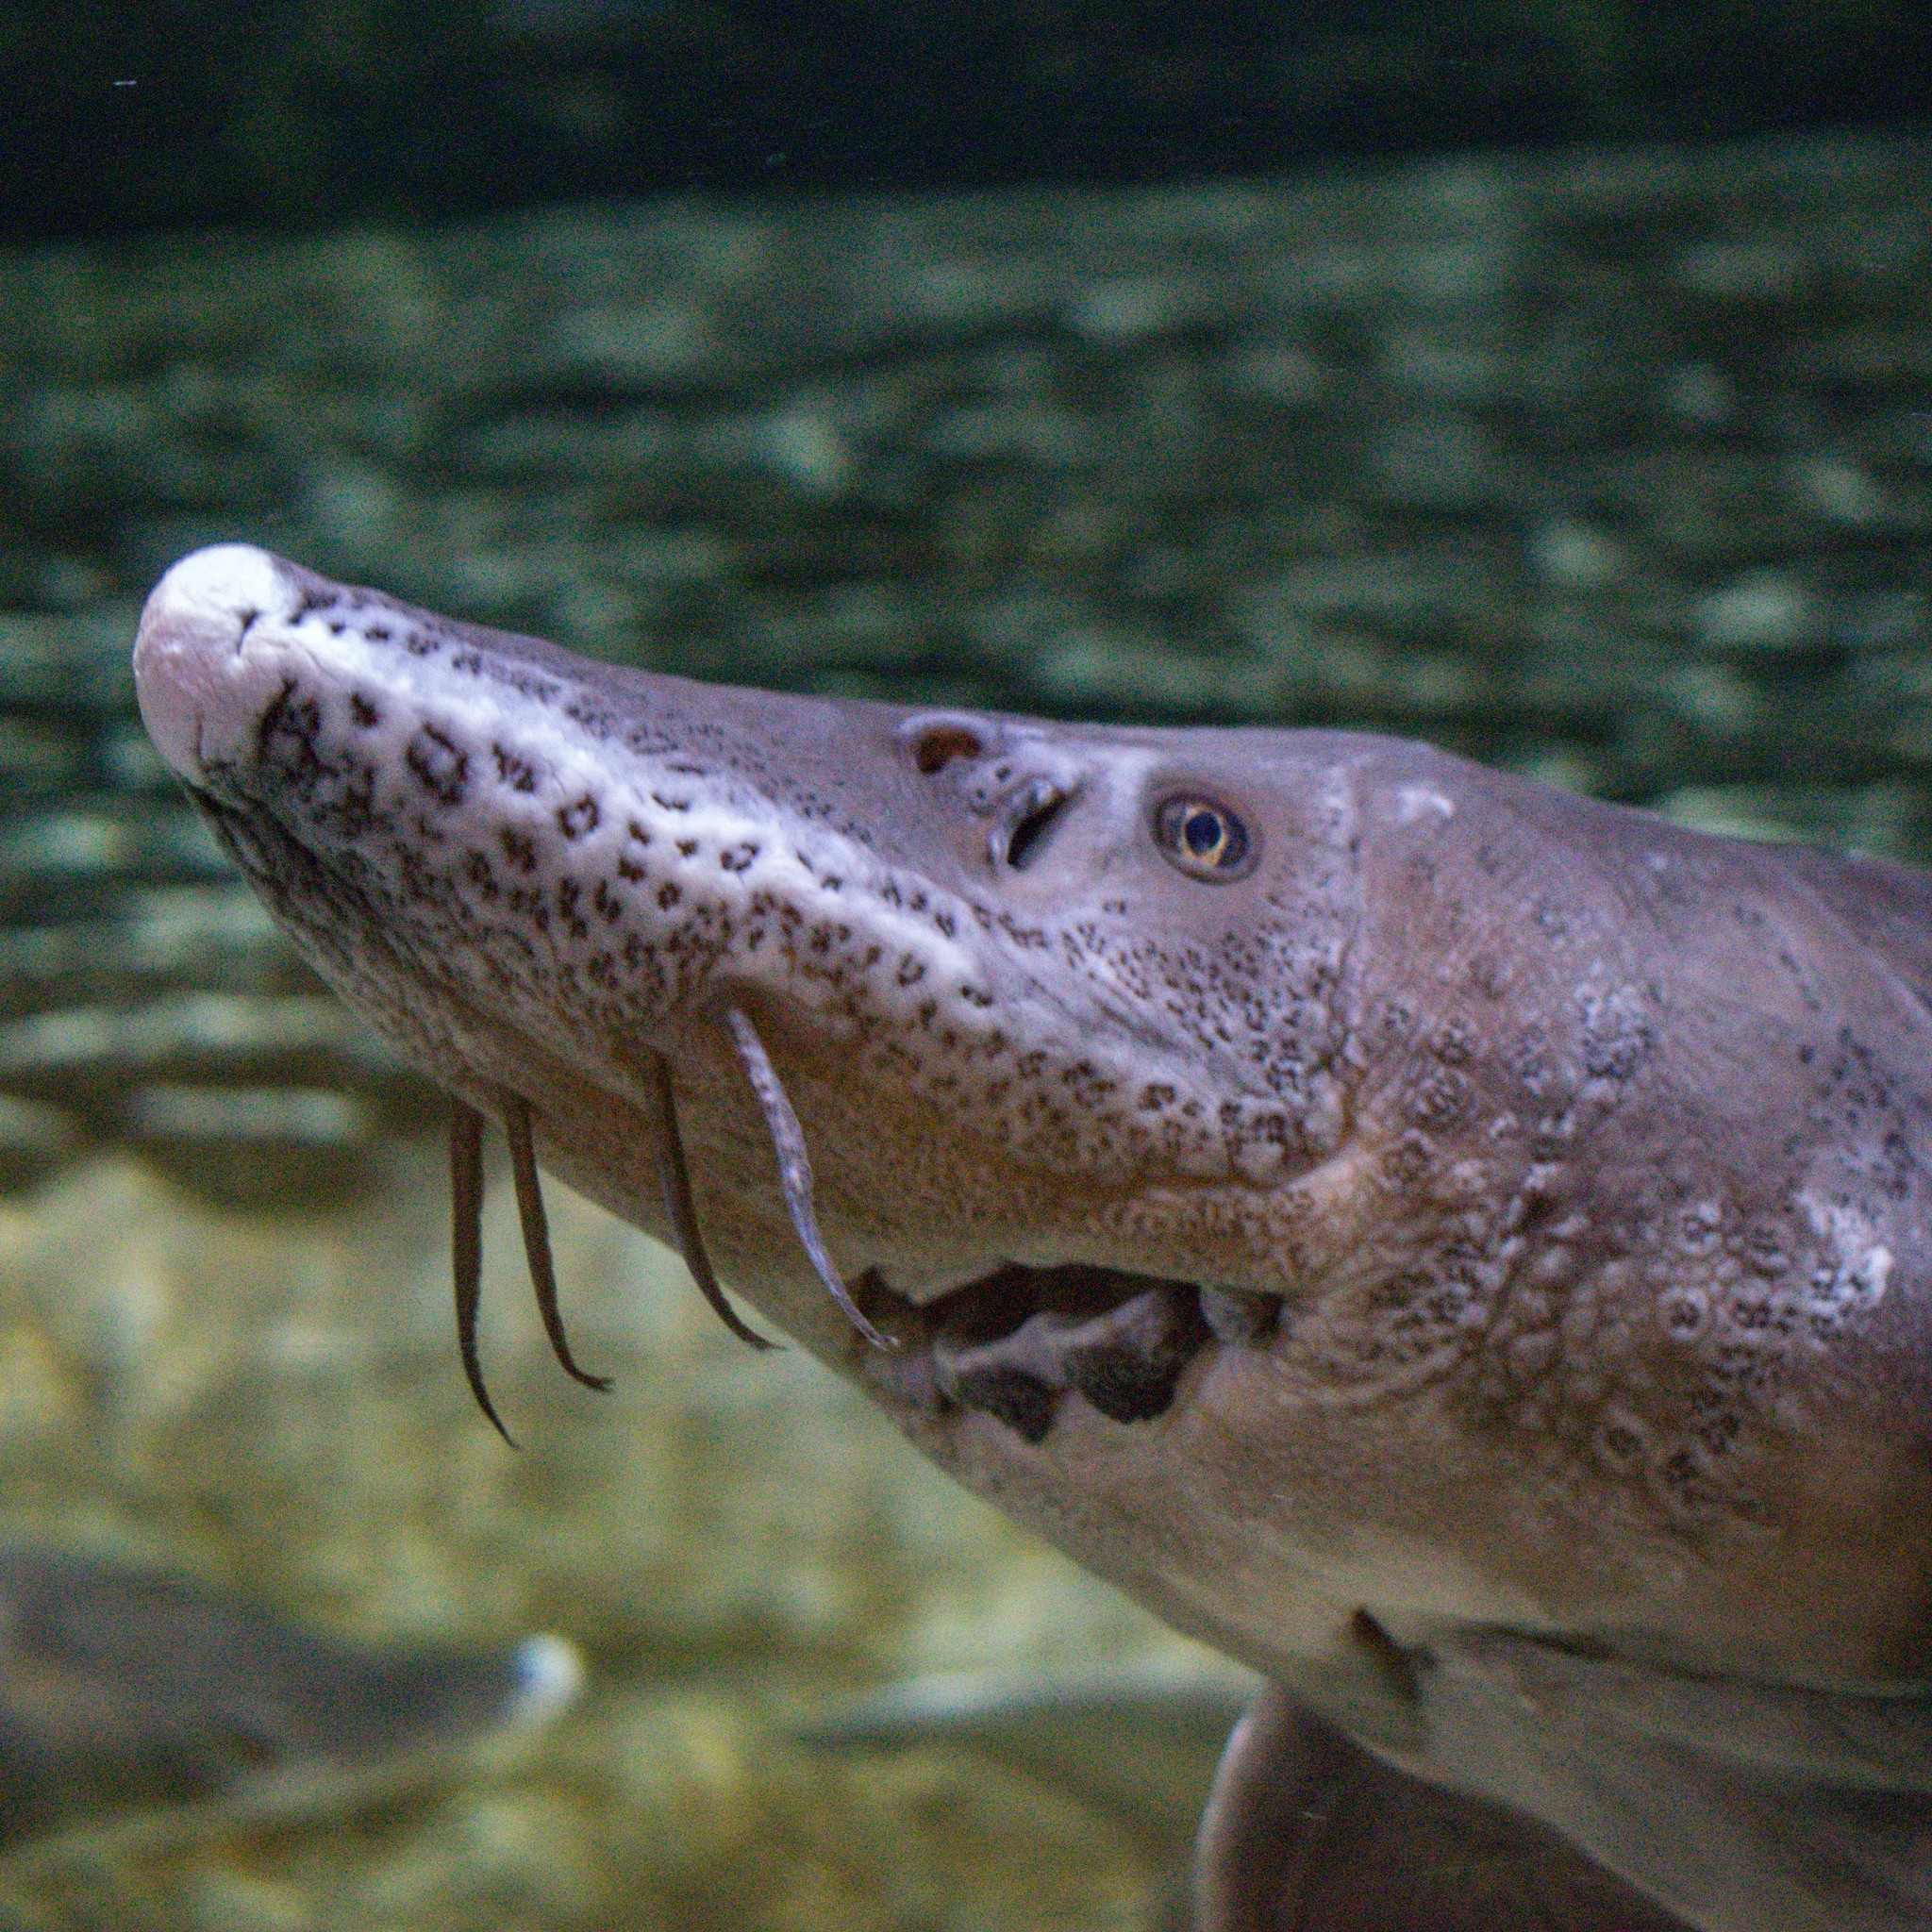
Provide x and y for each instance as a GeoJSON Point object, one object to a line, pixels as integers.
{"type": "Point", "coordinates": [1457, 1247]}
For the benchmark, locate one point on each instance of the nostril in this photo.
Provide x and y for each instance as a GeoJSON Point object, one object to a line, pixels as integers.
{"type": "Point", "coordinates": [1030, 834]}
{"type": "Point", "coordinates": [936, 748]}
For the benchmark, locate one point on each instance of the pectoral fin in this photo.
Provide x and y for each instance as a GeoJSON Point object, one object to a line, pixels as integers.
{"type": "Point", "coordinates": [1306, 1832]}
{"type": "Point", "coordinates": [1785, 1808]}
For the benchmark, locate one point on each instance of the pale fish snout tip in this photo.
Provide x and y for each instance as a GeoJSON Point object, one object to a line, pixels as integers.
{"type": "Point", "coordinates": [187, 666]}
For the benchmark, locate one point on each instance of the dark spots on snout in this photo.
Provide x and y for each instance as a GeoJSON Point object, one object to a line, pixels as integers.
{"type": "Point", "coordinates": [288, 729]}
{"type": "Point", "coordinates": [514, 772]}
{"type": "Point", "coordinates": [1684, 1314]}
{"type": "Point", "coordinates": [579, 818]}
{"type": "Point", "coordinates": [442, 766]}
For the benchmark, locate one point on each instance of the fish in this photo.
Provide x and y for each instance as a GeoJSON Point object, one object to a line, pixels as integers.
{"type": "Point", "coordinates": [125, 1687]}
{"type": "Point", "coordinates": [1135, 1741]}
{"type": "Point", "coordinates": [1456, 1247]}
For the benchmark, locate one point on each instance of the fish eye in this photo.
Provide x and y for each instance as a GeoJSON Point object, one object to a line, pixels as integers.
{"type": "Point", "coordinates": [1201, 837]}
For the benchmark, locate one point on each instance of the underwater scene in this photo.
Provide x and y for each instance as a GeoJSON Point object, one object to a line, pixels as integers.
{"type": "Point", "coordinates": [1560, 396]}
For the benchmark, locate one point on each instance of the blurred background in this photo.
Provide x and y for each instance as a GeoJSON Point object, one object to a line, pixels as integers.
{"type": "Point", "coordinates": [1548, 379]}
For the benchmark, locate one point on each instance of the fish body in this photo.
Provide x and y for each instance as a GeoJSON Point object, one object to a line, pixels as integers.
{"type": "Point", "coordinates": [1459, 1248]}
{"type": "Point", "coordinates": [121, 1687]}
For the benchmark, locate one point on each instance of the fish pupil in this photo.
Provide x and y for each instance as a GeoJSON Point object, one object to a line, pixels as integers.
{"type": "Point", "coordinates": [1204, 834]}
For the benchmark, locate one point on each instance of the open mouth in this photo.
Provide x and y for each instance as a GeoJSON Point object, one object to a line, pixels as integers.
{"type": "Point", "coordinates": [1013, 1343]}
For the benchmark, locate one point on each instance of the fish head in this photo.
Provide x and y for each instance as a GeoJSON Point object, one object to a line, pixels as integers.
{"type": "Point", "coordinates": [1331, 1190]}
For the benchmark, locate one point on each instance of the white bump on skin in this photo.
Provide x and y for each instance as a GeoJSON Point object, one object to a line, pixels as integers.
{"type": "Point", "coordinates": [1855, 1268]}
{"type": "Point", "coordinates": [1413, 802]}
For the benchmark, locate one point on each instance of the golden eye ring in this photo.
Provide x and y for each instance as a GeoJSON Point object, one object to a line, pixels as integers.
{"type": "Point", "coordinates": [1203, 838]}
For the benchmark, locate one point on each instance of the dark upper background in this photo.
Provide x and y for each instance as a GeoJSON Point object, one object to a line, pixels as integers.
{"type": "Point", "coordinates": [294, 113]}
